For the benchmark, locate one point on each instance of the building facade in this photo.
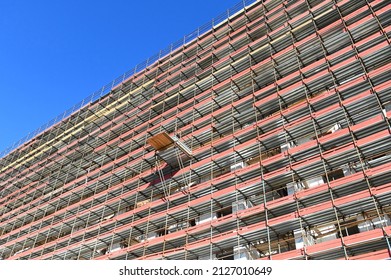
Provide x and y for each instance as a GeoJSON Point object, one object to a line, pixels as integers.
{"type": "Point", "coordinates": [265, 137]}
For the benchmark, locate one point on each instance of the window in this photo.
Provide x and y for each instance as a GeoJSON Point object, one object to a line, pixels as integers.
{"type": "Point", "coordinates": [348, 228]}
{"type": "Point", "coordinates": [161, 232]}
{"type": "Point", "coordinates": [334, 175]}
{"type": "Point", "coordinates": [192, 222]}
{"type": "Point", "coordinates": [224, 212]}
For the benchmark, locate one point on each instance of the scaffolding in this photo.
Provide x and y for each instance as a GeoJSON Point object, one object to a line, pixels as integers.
{"type": "Point", "coordinates": [265, 137]}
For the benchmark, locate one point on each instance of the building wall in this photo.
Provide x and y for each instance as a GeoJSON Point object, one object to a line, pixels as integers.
{"type": "Point", "coordinates": [286, 110]}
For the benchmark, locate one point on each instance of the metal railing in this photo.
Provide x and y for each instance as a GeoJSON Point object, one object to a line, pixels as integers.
{"type": "Point", "coordinates": [139, 67]}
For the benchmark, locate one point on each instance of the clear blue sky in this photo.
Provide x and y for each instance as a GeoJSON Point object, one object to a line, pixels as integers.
{"type": "Point", "coordinates": [55, 53]}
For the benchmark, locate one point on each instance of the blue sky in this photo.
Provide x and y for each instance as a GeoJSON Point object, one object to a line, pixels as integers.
{"type": "Point", "coordinates": [55, 53]}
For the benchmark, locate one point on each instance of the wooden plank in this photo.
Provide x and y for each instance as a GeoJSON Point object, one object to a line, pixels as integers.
{"type": "Point", "coordinates": [160, 141]}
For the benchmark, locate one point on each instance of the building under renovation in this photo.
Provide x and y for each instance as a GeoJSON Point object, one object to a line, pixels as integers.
{"type": "Point", "coordinates": [264, 134]}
